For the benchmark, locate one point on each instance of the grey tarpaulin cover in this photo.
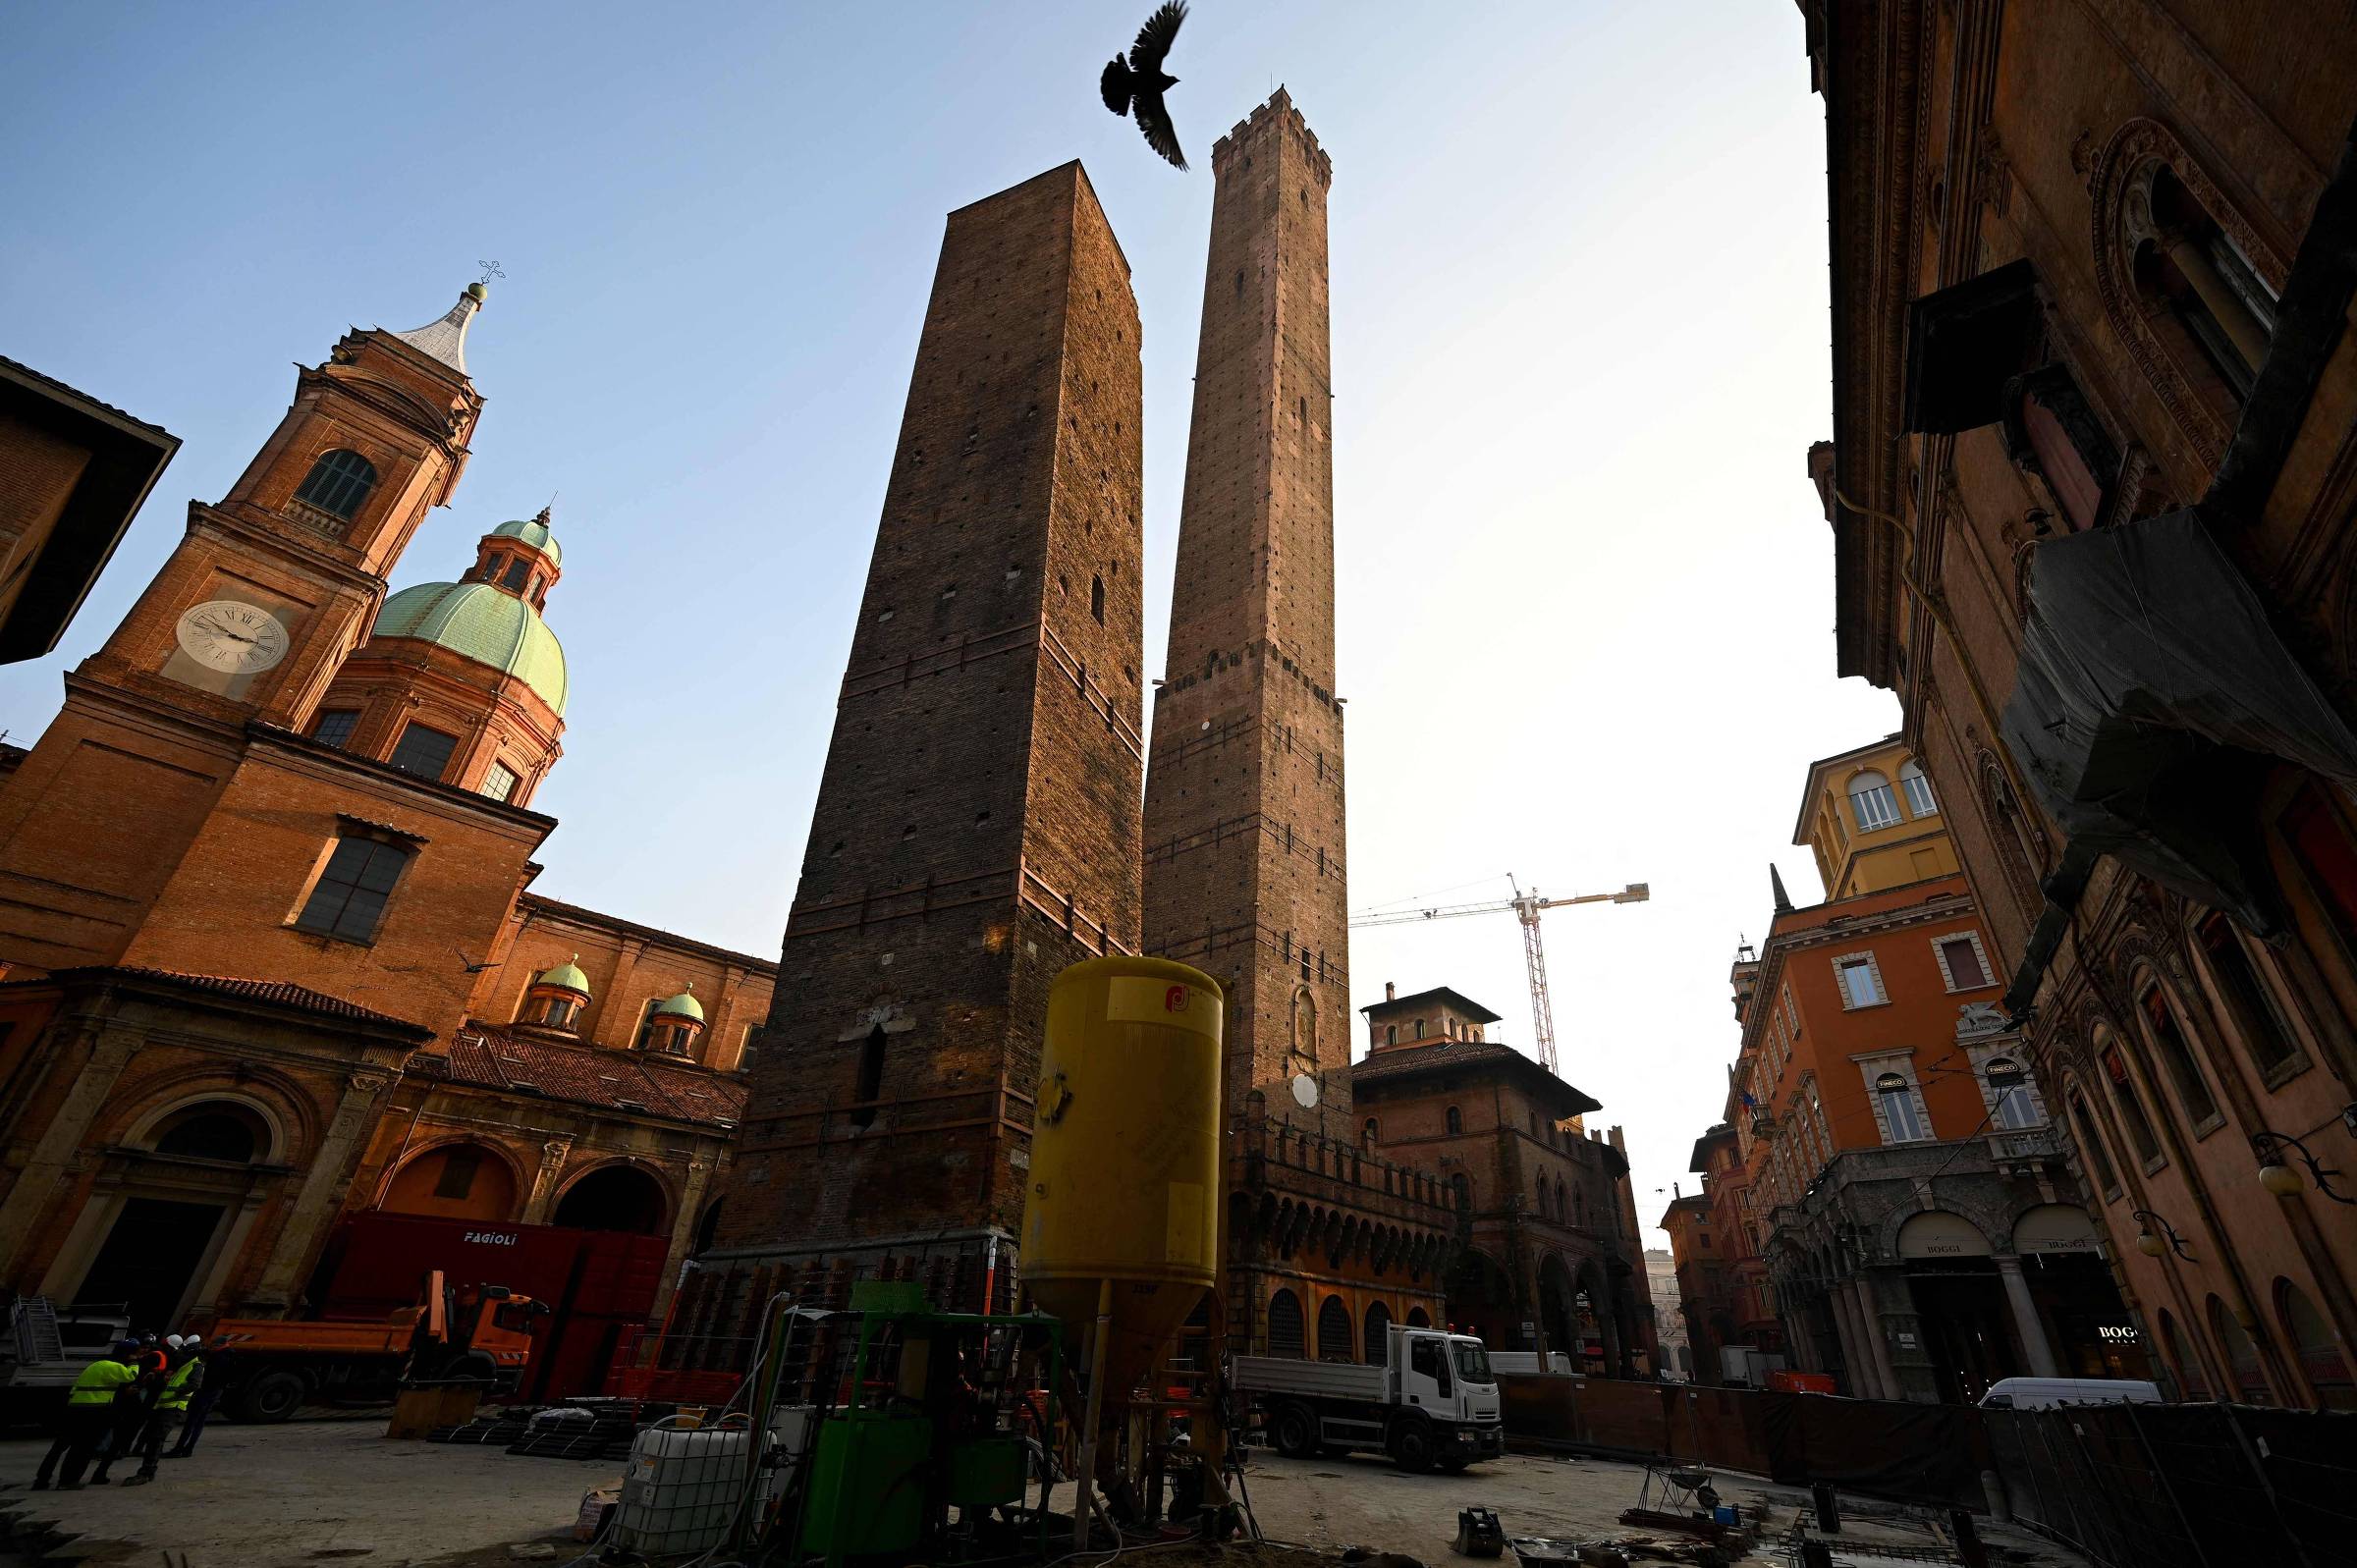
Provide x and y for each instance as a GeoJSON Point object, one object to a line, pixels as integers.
{"type": "Point", "coordinates": [2152, 696]}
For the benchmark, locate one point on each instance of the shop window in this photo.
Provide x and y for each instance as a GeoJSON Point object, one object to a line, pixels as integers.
{"type": "Point", "coordinates": [2251, 1002]}
{"type": "Point", "coordinates": [347, 901]}
{"type": "Point", "coordinates": [1871, 801]}
{"type": "Point", "coordinates": [2242, 1355]}
{"type": "Point", "coordinates": [2316, 1347]}
{"type": "Point", "coordinates": [2130, 1106]}
{"type": "Point", "coordinates": [335, 727]}
{"type": "Point", "coordinates": [424, 751]}
{"type": "Point", "coordinates": [338, 483]}
{"type": "Point", "coordinates": [2192, 1381]}
{"type": "Point", "coordinates": [2177, 1055]}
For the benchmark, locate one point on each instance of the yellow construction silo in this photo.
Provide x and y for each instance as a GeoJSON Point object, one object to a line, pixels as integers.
{"type": "Point", "coordinates": [1122, 1214]}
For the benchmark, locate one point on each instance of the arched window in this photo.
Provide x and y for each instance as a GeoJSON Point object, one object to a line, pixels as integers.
{"type": "Point", "coordinates": [1371, 1132]}
{"type": "Point", "coordinates": [2130, 1104]}
{"type": "Point", "coordinates": [1457, 1120]}
{"type": "Point", "coordinates": [1871, 802]}
{"type": "Point", "coordinates": [1918, 790]}
{"type": "Point", "coordinates": [2192, 1381]}
{"type": "Point", "coordinates": [1897, 1099]}
{"type": "Point", "coordinates": [2192, 268]}
{"type": "Point", "coordinates": [1286, 1333]}
{"type": "Point", "coordinates": [618, 1198]}
{"type": "Point", "coordinates": [1419, 1028]}
{"type": "Point", "coordinates": [1378, 1334]}
{"type": "Point", "coordinates": [2250, 1002]}
{"type": "Point", "coordinates": [1096, 598]}
{"type": "Point", "coordinates": [2242, 1355]}
{"type": "Point", "coordinates": [2317, 1350]}
{"type": "Point", "coordinates": [2091, 1147]}
{"type": "Point", "coordinates": [1335, 1342]}
{"type": "Point", "coordinates": [338, 483]}
{"type": "Point", "coordinates": [1417, 1318]}
{"type": "Point", "coordinates": [2177, 1055]}
{"type": "Point", "coordinates": [215, 1129]}
{"type": "Point", "coordinates": [2010, 1106]}
{"type": "Point", "coordinates": [1391, 1034]}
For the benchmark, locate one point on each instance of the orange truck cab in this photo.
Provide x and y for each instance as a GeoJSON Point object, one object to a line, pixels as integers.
{"type": "Point", "coordinates": [269, 1368]}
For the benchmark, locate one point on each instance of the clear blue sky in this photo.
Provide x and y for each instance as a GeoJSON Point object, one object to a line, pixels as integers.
{"type": "Point", "coordinates": [1579, 345]}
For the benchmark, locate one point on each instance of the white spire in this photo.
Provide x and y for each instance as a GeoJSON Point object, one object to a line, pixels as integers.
{"type": "Point", "coordinates": [446, 340]}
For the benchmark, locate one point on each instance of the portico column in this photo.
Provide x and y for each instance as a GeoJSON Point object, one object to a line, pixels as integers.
{"type": "Point", "coordinates": [1856, 1361]}
{"type": "Point", "coordinates": [53, 1154]}
{"type": "Point", "coordinates": [682, 1232]}
{"type": "Point", "coordinates": [2025, 1317]}
{"type": "Point", "coordinates": [324, 1186]}
{"type": "Point", "coordinates": [1878, 1343]}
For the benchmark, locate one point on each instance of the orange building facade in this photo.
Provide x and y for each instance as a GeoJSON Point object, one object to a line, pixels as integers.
{"type": "Point", "coordinates": [2095, 409]}
{"type": "Point", "coordinates": [1902, 1205]}
{"type": "Point", "coordinates": [270, 959]}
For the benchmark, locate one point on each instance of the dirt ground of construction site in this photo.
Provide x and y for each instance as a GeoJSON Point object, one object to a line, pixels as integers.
{"type": "Point", "coordinates": [336, 1490]}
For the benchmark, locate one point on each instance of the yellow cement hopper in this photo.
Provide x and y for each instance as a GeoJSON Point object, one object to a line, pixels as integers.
{"type": "Point", "coordinates": [1122, 1214]}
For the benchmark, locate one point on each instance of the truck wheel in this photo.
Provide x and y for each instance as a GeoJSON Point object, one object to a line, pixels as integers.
{"type": "Point", "coordinates": [1296, 1432]}
{"type": "Point", "coordinates": [272, 1396]}
{"type": "Point", "coordinates": [474, 1366]}
{"type": "Point", "coordinates": [1412, 1446]}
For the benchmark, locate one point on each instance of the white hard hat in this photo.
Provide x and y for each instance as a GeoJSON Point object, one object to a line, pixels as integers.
{"type": "Point", "coordinates": [174, 1341]}
{"type": "Point", "coordinates": [192, 1342]}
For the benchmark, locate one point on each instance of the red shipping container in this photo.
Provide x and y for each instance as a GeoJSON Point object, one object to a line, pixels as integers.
{"type": "Point", "coordinates": [595, 1283]}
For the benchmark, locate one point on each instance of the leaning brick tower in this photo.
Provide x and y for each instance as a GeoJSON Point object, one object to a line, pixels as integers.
{"type": "Point", "coordinates": [1244, 863]}
{"type": "Point", "coordinates": [978, 822]}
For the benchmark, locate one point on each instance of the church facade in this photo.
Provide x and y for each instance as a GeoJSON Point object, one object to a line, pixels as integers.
{"type": "Point", "coordinates": [270, 954]}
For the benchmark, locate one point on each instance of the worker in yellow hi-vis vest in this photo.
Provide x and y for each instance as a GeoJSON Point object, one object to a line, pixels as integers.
{"type": "Point", "coordinates": [184, 1374]}
{"type": "Point", "coordinates": [88, 1416]}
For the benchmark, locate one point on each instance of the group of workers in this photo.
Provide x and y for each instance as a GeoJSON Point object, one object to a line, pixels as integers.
{"type": "Point", "coordinates": [120, 1407]}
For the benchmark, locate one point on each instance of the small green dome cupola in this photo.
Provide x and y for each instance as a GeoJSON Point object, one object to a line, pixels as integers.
{"type": "Point", "coordinates": [683, 1005]}
{"type": "Point", "coordinates": [566, 976]}
{"type": "Point", "coordinates": [534, 534]}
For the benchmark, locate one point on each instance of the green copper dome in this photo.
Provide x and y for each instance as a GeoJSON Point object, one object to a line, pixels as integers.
{"type": "Point", "coordinates": [479, 622]}
{"type": "Point", "coordinates": [532, 532]}
{"type": "Point", "coordinates": [566, 976]}
{"type": "Point", "coordinates": [683, 1005]}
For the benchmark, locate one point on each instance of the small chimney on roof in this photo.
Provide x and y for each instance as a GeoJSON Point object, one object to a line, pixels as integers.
{"type": "Point", "coordinates": [1391, 992]}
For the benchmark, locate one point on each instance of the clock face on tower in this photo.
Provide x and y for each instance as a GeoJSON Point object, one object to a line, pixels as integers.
{"type": "Point", "coordinates": [232, 637]}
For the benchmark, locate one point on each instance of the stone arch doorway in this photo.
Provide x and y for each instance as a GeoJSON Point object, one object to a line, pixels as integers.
{"type": "Point", "coordinates": [1481, 1301]}
{"type": "Point", "coordinates": [459, 1181]}
{"type": "Point", "coordinates": [196, 1178]}
{"type": "Point", "coordinates": [1556, 1312]}
{"type": "Point", "coordinates": [1287, 1332]}
{"type": "Point", "coordinates": [619, 1198]}
{"type": "Point", "coordinates": [1336, 1341]}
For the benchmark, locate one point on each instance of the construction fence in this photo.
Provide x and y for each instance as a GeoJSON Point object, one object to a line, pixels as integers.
{"type": "Point", "coordinates": [2200, 1486]}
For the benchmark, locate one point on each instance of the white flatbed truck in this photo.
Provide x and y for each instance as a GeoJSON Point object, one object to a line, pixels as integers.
{"type": "Point", "coordinates": [1432, 1403]}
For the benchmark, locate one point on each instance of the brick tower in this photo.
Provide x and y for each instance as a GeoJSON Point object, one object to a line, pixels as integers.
{"type": "Point", "coordinates": [1244, 875]}
{"type": "Point", "coordinates": [1325, 1241]}
{"type": "Point", "coordinates": [978, 822]}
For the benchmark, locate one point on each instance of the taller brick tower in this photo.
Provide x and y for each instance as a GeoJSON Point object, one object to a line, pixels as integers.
{"type": "Point", "coordinates": [977, 823]}
{"type": "Point", "coordinates": [1245, 866]}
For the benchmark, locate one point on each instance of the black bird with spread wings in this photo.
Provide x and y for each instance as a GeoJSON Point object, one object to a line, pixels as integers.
{"type": "Point", "coordinates": [1136, 89]}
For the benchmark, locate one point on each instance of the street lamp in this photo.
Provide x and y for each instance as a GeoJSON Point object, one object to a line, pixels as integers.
{"type": "Point", "coordinates": [2153, 1246]}
{"type": "Point", "coordinates": [2279, 1178]}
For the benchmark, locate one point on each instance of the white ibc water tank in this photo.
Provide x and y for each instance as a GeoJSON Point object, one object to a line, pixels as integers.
{"type": "Point", "coordinates": [683, 1487]}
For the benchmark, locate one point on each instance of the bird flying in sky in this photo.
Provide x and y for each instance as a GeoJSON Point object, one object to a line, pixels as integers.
{"type": "Point", "coordinates": [1136, 89]}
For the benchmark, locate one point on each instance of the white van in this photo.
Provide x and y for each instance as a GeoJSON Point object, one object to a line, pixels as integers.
{"type": "Point", "coordinates": [2045, 1393]}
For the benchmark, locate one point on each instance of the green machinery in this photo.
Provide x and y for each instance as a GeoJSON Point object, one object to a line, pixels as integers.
{"type": "Point", "coordinates": [919, 1434]}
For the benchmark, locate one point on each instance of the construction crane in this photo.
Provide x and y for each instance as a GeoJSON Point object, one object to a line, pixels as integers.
{"type": "Point", "coordinates": [1526, 907]}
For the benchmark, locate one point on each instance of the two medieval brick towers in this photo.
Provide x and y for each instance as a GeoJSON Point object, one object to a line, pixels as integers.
{"type": "Point", "coordinates": [978, 825]}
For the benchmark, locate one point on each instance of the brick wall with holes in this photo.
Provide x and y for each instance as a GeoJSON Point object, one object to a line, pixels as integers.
{"type": "Point", "coordinates": [978, 822]}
